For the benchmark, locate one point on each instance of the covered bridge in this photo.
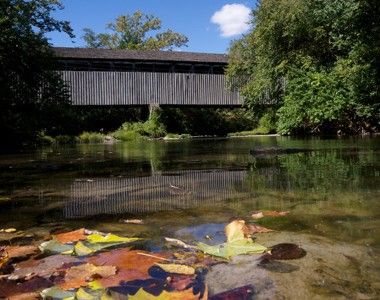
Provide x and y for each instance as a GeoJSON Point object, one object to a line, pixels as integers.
{"type": "Point", "coordinates": [129, 77]}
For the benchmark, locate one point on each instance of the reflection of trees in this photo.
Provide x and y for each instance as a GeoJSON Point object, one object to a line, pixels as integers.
{"type": "Point", "coordinates": [319, 171]}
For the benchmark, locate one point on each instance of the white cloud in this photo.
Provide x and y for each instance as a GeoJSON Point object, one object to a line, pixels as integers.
{"type": "Point", "coordinates": [232, 19]}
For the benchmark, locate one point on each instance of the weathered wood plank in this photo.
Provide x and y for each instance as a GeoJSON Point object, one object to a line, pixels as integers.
{"type": "Point", "coordinates": [143, 88]}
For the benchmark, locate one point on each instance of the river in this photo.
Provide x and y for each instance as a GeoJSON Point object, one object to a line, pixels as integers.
{"type": "Point", "coordinates": [190, 189]}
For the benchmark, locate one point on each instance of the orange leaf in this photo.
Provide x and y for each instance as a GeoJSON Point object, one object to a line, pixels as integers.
{"type": "Point", "coordinates": [20, 251]}
{"type": "Point", "coordinates": [121, 275]}
{"type": "Point", "coordinates": [79, 276]}
{"type": "Point", "coordinates": [127, 259]}
{"type": "Point", "coordinates": [269, 213]}
{"type": "Point", "coordinates": [72, 236]}
{"type": "Point", "coordinates": [253, 228]}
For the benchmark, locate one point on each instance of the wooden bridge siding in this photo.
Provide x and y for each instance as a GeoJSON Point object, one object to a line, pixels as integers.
{"type": "Point", "coordinates": [144, 88]}
{"type": "Point", "coordinates": [154, 193]}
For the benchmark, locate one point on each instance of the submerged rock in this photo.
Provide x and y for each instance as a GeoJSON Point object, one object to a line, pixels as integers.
{"type": "Point", "coordinates": [331, 269]}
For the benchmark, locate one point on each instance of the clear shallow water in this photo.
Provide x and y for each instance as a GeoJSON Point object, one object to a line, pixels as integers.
{"type": "Point", "coordinates": [191, 189]}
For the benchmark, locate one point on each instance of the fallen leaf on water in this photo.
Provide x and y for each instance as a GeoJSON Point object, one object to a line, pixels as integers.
{"type": "Point", "coordinates": [79, 276]}
{"type": "Point", "coordinates": [71, 237]}
{"type": "Point", "coordinates": [57, 293]}
{"type": "Point", "coordinates": [241, 293]}
{"type": "Point", "coordinates": [132, 221]}
{"type": "Point", "coordinates": [180, 282]}
{"type": "Point", "coordinates": [131, 264]}
{"type": "Point", "coordinates": [43, 267]}
{"type": "Point", "coordinates": [177, 269]}
{"type": "Point", "coordinates": [56, 247]}
{"type": "Point", "coordinates": [182, 295]}
{"type": "Point", "coordinates": [268, 213]}
{"type": "Point", "coordinates": [81, 249]}
{"type": "Point", "coordinates": [3, 260]}
{"type": "Point", "coordinates": [237, 247]}
{"type": "Point", "coordinates": [237, 242]}
{"type": "Point", "coordinates": [83, 242]}
{"type": "Point", "coordinates": [253, 228]}
{"type": "Point", "coordinates": [235, 230]}
{"type": "Point", "coordinates": [179, 243]}
{"type": "Point", "coordinates": [25, 290]}
{"type": "Point", "coordinates": [195, 259]}
{"type": "Point", "coordinates": [82, 294]}
{"type": "Point", "coordinates": [121, 275]}
{"type": "Point", "coordinates": [19, 251]}
{"type": "Point", "coordinates": [285, 251]}
{"type": "Point", "coordinates": [88, 294]}
{"type": "Point", "coordinates": [109, 238]}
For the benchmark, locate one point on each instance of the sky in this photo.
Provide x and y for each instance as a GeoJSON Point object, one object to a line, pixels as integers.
{"type": "Point", "coordinates": [210, 25]}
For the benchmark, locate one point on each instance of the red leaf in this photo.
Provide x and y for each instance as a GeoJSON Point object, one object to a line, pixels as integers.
{"type": "Point", "coordinates": [25, 290]}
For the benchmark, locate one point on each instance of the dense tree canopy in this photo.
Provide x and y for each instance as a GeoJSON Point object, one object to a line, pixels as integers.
{"type": "Point", "coordinates": [316, 62]}
{"type": "Point", "coordinates": [31, 93]}
{"type": "Point", "coordinates": [135, 32]}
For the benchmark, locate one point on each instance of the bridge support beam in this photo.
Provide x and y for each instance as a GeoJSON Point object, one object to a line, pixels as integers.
{"type": "Point", "coordinates": [153, 107]}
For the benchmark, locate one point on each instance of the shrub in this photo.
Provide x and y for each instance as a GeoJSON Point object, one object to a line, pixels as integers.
{"type": "Point", "coordinates": [152, 128]}
{"type": "Point", "coordinates": [44, 139]}
{"type": "Point", "coordinates": [65, 139]}
{"type": "Point", "coordinates": [91, 137]}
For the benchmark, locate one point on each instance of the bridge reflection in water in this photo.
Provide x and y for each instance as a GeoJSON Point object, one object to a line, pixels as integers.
{"type": "Point", "coordinates": [159, 192]}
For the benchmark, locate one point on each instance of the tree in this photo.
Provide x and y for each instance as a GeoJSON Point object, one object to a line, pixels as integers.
{"type": "Point", "coordinates": [31, 92]}
{"type": "Point", "coordinates": [135, 32]}
{"type": "Point", "coordinates": [316, 62]}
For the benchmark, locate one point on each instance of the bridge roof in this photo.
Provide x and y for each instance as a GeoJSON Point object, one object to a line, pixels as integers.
{"type": "Point", "coordinates": [139, 55]}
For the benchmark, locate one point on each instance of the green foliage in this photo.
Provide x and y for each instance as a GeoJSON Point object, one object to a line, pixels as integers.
{"type": "Point", "coordinates": [266, 125]}
{"type": "Point", "coordinates": [129, 131]}
{"type": "Point", "coordinates": [207, 121]}
{"type": "Point", "coordinates": [135, 32]}
{"type": "Point", "coordinates": [33, 96]}
{"type": "Point", "coordinates": [91, 137]}
{"type": "Point", "coordinates": [44, 139]}
{"type": "Point", "coordinates": [315, 62]}
{"type": "Point", "coordinates": [152, 128]}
